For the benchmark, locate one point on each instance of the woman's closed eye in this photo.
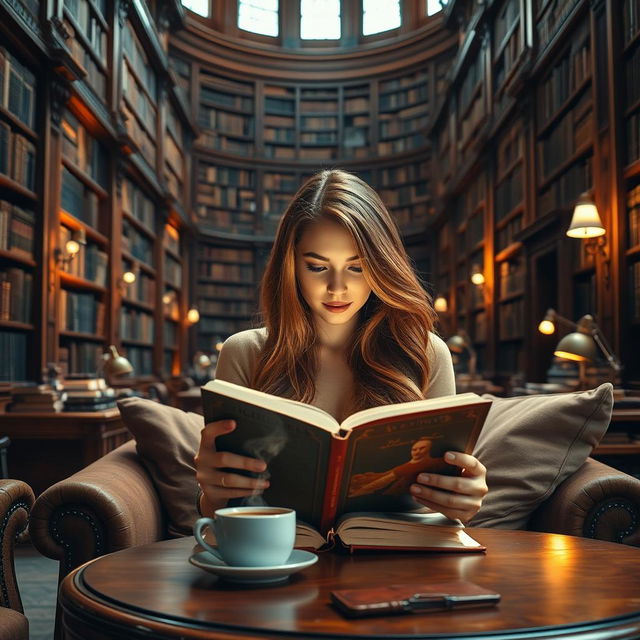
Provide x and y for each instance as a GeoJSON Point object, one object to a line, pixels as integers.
{"type": "Point", "coordinates": [318, 268]}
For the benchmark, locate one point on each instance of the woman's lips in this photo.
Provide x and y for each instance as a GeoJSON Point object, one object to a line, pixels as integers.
{"type": "Point", "coordinates": [334, 307]}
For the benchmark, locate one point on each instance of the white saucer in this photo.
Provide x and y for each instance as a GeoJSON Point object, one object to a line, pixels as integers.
{"type": "Point", "coordinates": [297, 561]}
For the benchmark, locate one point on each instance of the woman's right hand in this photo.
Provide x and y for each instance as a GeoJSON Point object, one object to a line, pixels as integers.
{"type": "Point", "coordinates": [218, 484]}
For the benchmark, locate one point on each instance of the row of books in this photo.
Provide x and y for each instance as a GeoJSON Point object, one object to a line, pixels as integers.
{"type": "Point", "coordinates": [84, 151]}
{"type": "Point", "coordinates": [79, 200]}
{"type": "Point", "coordinates": [567, 187]}
{"type": "Point", "coordinates": [173, 156]}
{"type": "Point", "coordinates": [471, 122]}
{"type": "Point", "coordinates": [145, 110]}
{"type": "Point", "coordinates": [214, 174]}
{"type": "Point", "coordinates": [226, 254]}
{"type": "Point", "coordinates": [143, 139]}
{"type": "Point", "coordinates": [284, 135]}
{"type": "Point", "coordinates": [225, 121]}
{"type": "Point", "coordinates": [231, 221]}
{"type": "Point", "coordinates": [510, 150]}
{"type": "Point", "coordinates": [511, 319]}
{"type": "Point", "coordinates": [633, 216]}
{"type": "Point", "coordinates": [17, 88]}
{"type": "Point", "coordinates": [275, 204]}
{"type": "Point", "coordinates": [137, 58]}
{"type": "Point", "coordinates": [79, 357]}
{"type": "Point", "coordinates": [13, 364]}
{"type": "Point", "coordinates": [226, 196]}
{"type": "Point", "coordinates": [402, 82]}
{"type": "Point", "coordinates": [230, 272]}
{"type": "Point", "coordinates": [399, 126]}
{"type": "Point", "coordinates": [555, 15]}
{"type": "Point", "coordinates": [634, 291]}
{"type": "Point", "coordinates": [16, 229]}
{"type": "Point", "coordinates": [141, 359]}
{"type": "Point", "coordinates": [142, 290]}
{"type": "Point", "coordinates": [281, 182]}
{"type": "Point", "coordinates": [86, 56]}
{"type": "Point", "coordinates": [509, 194]}
{"type": "Point", "coordinates": [630, 20]}
{"type": "Point", "coordinates": [137, 204]}
{"type": "Point", "coordinates": [227, 292]}
{"type": "Point", "coordinates": [81, 312]}
{"type": "Point", "coordinates": [136, 325]}
{"type": "Point", "coordinates": [222, 326]}
{"type": "Point", "coordinates": [223, 99]}
{"type": "Point", "coordinates": [566, 76]}
{"type": "Point", "coordinates": [17, 157]}
{"type": "Point", "coordinates": [512, 275]}
{"type": "Point", "coordinates": [90, 263]}
{"type": "Point", "coordinates": [171, 239]}
{"type": "Point", "coordinates": [173, 272]}
{"type": "Point", "coordinates": [506, 234]}
{"type": "Point", "coordinates": [223, 307]}
{"type": "Point", "coordinates": [409, 217]}
{"type": "Point", "coordinates": [170, 334]}
{"type": "Point", "coordinates": [16, 295]}
{"type": "Point", "coordinates": [139, 245]}
{"type": "Point", "coordinates": [632, 138]}
{"type": "Point", "coordinates": [572, 133]}
{"type": "Point", "coordinates": [404, 98]}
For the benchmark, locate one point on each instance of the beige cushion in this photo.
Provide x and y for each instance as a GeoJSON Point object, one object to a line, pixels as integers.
{"type": "Point", "coordinates": [166, 440]}
{"type": "Point", "coordinates": [530, 444]}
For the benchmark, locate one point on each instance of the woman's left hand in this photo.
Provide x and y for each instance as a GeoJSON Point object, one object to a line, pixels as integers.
{"type": "Point", "coordinates": [457, 497]}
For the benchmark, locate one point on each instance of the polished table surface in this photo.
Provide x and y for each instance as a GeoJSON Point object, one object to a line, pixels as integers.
{"type": "Point", "coordinates": [552, 586]}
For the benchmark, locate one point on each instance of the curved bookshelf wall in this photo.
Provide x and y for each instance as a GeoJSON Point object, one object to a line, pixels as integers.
{"type": "Point", "coordinates": [270, 118]}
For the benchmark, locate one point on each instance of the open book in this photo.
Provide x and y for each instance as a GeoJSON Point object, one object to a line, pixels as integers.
{"type": "Point", "coordinates": [323, 469]}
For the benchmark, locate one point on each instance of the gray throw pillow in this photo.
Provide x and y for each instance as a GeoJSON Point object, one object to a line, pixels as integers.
{"type": "Point", "coordinates": [530, 444]}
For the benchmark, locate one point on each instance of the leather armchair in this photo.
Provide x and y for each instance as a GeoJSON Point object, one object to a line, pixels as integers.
{"type": "Point", "coordinates": [112, 505]}
{"type": "Point", "coordinates": [16, 500]}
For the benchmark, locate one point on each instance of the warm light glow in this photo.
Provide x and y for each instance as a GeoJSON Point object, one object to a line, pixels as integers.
{"type": "Point", "coordinates": [569, 356]}
{"type": "Point", "coordinates": [166, 298]}
{"type": "Point", "coordinates": [219, 346]}
{"type": "Point", "coordinates": [440, 304]}
{"type": "Point", "coordinates": [72, 247]}
{"type": "Point", "coordinates": [193, 315]}
{"type": "Point", "coordinates": [585, 222]}
{"type": "Point", "coordinates": [128, 277]}
{"type": "Point", "coordinates": [547, 327]}
{"type": "Point", "coordinates": [477, 277]}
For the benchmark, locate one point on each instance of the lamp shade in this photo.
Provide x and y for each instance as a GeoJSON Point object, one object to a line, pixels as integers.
{"type": "Point", "coordinates": [577, 346]}
{"type": "Point", "coordinates": [585, 222]}
{"type": "Point", "coordinates": [457, 344]}
{"type": "Point", "coordinates": [115, 364]}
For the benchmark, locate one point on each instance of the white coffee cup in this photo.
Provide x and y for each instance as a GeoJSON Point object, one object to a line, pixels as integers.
{"type": "Point", "coordinates": [250, 536]}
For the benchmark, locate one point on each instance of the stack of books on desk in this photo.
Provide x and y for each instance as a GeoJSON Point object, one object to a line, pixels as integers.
{"type": "Point", "coordinates": [40, 398]}
{"type": "Point", "coordinates": [88, 394]}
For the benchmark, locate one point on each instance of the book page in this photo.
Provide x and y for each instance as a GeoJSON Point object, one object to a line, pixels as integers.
{"type": "Point", "coordinates": [293, 408]}
{"type": "Point", "coordinates": [384, 458]}
{"type": "Point", "coordinates": [404, 408]}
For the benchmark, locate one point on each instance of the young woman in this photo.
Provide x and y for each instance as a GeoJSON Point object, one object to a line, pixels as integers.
{"type": "Point", "coordinates": [347, 327]}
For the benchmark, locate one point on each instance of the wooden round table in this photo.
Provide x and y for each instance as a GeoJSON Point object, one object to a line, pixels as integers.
{"type": "Point", "coordinates": [552, 586]}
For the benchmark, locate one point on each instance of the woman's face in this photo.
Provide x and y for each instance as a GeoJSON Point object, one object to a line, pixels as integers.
{"type": "Point", "coordinates": [329, 273]}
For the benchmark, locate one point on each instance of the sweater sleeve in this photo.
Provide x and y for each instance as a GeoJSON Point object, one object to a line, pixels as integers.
{"type": "Point", "coordinates": [441, 377]}
{"type": "Point", "coordinates": [238, 356]}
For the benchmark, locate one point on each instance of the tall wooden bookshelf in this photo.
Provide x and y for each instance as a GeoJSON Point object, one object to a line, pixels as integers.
{"type": "Point", "coordinates": [20, 217]}
{"type": "Point", "coordinates": [86, 93]}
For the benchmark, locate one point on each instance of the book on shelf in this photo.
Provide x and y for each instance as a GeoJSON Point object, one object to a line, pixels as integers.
{"type": "Point", "coordinates": [366, 463]}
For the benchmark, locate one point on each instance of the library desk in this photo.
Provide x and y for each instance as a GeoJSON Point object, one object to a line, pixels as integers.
{"type": "Point", "coordinates": [47, 447]}
{"type": "Point", "coordinates": [552, 586]}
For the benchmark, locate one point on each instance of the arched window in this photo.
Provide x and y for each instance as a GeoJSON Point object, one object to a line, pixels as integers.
{"type": "Point", "coordinates": [258, 16]}
{"type": "Point", "coordinates": [320, 19]}
{"type": "Point", "coordinates": [201, 7]}
{"type": "Point", "coordinates": [433, 6]}
{"type": "Point", "coordinates": [380, 15]}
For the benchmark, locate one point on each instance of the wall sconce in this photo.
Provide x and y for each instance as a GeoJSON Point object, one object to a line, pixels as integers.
{"type": "Point", "coordinates": [440, 304]}
{"type": "Point", "coordinates": [127, 279]}
{"type": "Point", "coordinates": [581, 345]}
{"type": "Point", "coordinates": [193, 315]}
{"type": "Point", "coordinates": [71, 248]}
{"type": "Point", "coordinates": [477, 277]}
{"type": "Point", "coordinates": [586, 225]}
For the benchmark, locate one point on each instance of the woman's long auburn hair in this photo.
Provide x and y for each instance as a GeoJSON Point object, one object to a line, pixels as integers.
{"type": "Point", "coordinates": [388, 354]}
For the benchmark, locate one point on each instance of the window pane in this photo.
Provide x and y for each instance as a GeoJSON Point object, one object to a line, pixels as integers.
{"type": "Point", "coordinates": [433, 6]}
{"type": "Point", "coordinates": [200, 7]}
{"type": "Point", "coordinates": [380, 15]}
{"type": "Point", "coordinates": [259, 16]}
{"type": "Point", "coordinates": [320, 19]}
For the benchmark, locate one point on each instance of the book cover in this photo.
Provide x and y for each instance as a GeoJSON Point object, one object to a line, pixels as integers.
{"type": "Point", "coordinates": [323, 469]}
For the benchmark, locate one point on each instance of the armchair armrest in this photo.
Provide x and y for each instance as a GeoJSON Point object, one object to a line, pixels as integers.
{"type": "Point", "coordinates": [110, 505]}
{"type": "Point", "coordinates": [597, 501]}
{"type": "Point", "coordinates": [16, 500]}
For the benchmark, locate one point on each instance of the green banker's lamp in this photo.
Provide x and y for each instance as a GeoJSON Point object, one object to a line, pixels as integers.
{"type": "Point", "coordinates": [581, 345]}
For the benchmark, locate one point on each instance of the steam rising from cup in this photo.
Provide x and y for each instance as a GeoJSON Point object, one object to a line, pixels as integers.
{"type": "Point", "coordinates": [264, 448]}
